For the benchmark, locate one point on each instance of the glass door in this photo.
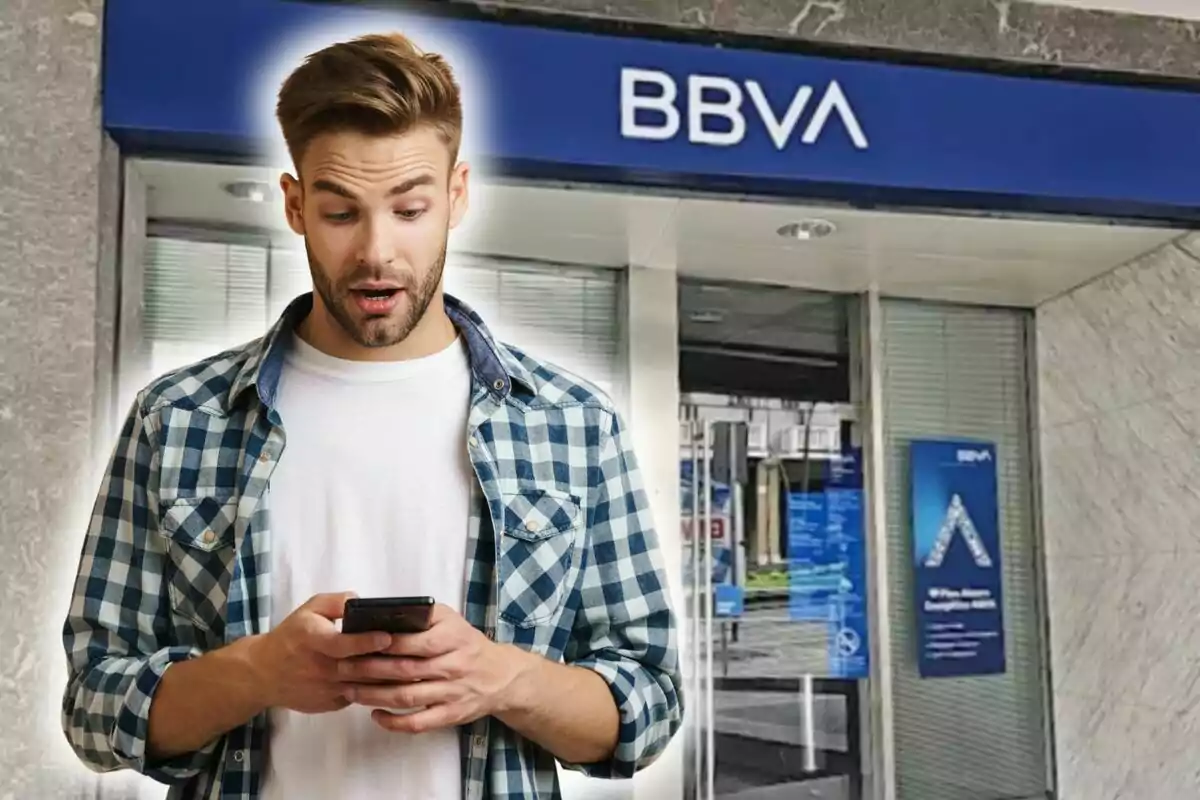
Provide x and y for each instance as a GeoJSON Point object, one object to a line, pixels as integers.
{"type": "Point", "coordinates": [774, 665]}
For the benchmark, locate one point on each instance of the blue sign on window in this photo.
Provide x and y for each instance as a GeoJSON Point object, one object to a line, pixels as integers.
{"type": "Point", "coordinates": [827, 575]}
{"type": "Point", "coordinates": [729, 600]}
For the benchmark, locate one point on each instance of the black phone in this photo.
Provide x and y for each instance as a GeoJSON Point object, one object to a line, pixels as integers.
{"type": "Point", "coordinates": [387, 614]}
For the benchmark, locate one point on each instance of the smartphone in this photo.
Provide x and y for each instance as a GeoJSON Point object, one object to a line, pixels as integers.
{"type": "Point", "coordinates": [387, 614]}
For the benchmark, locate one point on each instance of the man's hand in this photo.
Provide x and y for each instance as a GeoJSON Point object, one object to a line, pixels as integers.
{"type": "Point", "coordinates": [452, 673]}
{"type": "Point", "coordinates": [293, 666]}
{"type": "Point", "coordinates": [296, 663]}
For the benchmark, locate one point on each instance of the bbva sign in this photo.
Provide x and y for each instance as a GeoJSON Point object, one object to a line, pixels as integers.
{"type": "Point", "coordinates": [644, 90]}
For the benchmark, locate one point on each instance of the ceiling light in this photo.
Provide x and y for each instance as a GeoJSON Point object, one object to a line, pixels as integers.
{"type": "Point", "coordinates": [807, 229]}
{"type": "Point", "coordinates": [254, 191]}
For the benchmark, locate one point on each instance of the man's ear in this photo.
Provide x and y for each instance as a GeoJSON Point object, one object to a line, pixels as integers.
{"type": "Point", "coordinates": [459, 192]}
{"type": "Point", "coordinates": [293, 202]}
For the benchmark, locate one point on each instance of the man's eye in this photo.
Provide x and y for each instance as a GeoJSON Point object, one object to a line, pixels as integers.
{"type": "Point", "coordinates": [410, 213]}
{"type": "Point", "coordinates": [340, 216]}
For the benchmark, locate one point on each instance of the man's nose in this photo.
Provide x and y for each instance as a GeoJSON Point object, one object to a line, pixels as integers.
{"type": "Point", "coordinates": [374, 245]}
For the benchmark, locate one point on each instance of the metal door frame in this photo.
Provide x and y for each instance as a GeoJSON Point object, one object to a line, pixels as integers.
{"type": "Point", "coordinates": [700, 771]}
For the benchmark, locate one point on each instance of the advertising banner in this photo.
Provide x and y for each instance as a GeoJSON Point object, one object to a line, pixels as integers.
{"type": "Point", "coordinates": [956, 547]}
{"type": "Point", "coordinates": [827, 570]}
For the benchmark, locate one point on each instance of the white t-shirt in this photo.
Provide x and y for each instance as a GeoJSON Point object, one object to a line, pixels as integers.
{"type": "Point", "coordinates": [371, 495]}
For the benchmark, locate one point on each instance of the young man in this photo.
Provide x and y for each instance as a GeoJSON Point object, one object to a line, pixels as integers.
{"type": "Point", "coordinates": [377, 441]}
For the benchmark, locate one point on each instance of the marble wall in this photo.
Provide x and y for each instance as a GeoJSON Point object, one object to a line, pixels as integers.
{"type": "Point", "coordinates": [1119, 397]}
{"type": "Point", "coordinates": [1012, 30]}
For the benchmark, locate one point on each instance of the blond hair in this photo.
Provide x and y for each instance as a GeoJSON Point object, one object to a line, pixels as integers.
{"type": "Point", "coordinates": [379, 84]}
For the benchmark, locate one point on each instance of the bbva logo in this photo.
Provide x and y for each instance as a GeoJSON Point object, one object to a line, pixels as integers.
{"type": "Point", "coordinates": [974, 456]}
{"type": "Point", "coordinates": [662, 100]}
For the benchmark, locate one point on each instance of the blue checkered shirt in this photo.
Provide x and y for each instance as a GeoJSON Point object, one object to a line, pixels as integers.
{"type": "Point", "coordinates": [175, 561]}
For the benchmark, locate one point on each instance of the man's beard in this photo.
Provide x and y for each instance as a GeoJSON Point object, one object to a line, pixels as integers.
{"type": "Point", "coordinates": [378, 331]}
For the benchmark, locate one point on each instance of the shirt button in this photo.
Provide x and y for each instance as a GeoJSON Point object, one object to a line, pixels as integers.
{"type": "Point", "coordinates": [531, 526]}
{"type": "Point", "coordinates": [498, 384]}
{"type": "Point", "coordinates": [474, 442]}
{"type": "Point", "coordinates": [264, 456]}
{"type": "Point", "coordinates": [239, 756]}
{"type": "Point", "coordinates": [208, 537]}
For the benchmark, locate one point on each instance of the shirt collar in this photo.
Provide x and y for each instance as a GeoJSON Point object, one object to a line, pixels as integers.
{"type": "Point", "coordinates": [495, 366]}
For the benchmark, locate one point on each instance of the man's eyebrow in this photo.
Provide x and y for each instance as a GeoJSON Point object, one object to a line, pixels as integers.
{"type": "Point", "coordinates": [324, 185]}
{"type": "Point", "coordinates": [412, 183]}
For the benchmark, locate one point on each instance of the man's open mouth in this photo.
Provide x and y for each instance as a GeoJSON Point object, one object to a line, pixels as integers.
{"type": "Point", "coordinates": [376, 301]}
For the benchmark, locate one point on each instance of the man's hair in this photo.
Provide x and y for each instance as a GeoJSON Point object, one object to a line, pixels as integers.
{"type": "Point", "coordinates": [378, 85]}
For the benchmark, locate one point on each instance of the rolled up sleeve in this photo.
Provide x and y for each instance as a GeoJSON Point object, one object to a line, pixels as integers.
{"type": "Point", "coordinates": [625, 627]}
{"type": "Point", "coordinates": [115, 634]}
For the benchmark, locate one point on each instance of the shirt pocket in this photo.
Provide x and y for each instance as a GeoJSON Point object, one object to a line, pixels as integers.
{"type": "Point", "coordinates": [199, 533]}
{"type": "Point", "coordinates": [537, 547]}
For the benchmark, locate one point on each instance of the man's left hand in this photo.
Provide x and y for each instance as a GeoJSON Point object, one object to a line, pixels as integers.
{"type": "Point", "coordinates": [451, 672]}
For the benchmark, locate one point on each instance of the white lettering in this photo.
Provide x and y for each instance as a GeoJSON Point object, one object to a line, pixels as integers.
{"type": "Point", "coordinates": [941, 599]}
{"type": "Point", "coordinates": [779, 129]}
{"type": "Point", "coordinates": [656, 94]}
{"type": "Point", "coordinates": [947, 606]}
{"type": "Point", "coordinates": [834, 100]}
{"type": "Point", "coordinates": [663, 103]}
{"type": "Point", "coordinates": [973, 456]}
{"type": "Point", "coordinates": [730, 108]}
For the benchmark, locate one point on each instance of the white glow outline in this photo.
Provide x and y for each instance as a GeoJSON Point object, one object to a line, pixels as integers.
{"type": "Point", "coordinates": [45, 643]}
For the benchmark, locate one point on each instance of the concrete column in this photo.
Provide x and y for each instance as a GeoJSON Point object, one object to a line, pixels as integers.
{"type": "Point", "coordinates": [50, 245]}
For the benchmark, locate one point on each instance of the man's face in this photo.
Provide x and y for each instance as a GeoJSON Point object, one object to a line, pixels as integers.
{"type": "Point", "coordinates": [375, 213]}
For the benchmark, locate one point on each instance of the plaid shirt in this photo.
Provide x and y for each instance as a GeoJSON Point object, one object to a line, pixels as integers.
{"type": "Point", "coordinates": [175, 561]}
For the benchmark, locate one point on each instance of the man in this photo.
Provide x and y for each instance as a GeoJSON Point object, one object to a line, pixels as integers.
{"type": "Point", "coordinates": [376, 441]}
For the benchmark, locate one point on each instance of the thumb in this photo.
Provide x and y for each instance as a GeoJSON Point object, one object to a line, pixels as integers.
{"type": "Point", "coordinates": [331, 606]}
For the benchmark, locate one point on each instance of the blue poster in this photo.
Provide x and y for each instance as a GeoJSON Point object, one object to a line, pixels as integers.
{"type": "Point", "coordinates": [827, 576]}
{"type": "Point", "coordinates": [956, 547]}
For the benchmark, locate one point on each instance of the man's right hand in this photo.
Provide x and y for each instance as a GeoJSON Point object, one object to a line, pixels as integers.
{"type": "Point", "coordinates": [296, 663]}
{"type": "Point", "coordinates": [293, 666]}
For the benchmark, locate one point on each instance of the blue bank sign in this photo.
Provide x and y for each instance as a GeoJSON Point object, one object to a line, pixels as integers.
{"type": "Point", "coordinates": [957, 559]}
{"type": "Point", "coordinates": [571, 105]}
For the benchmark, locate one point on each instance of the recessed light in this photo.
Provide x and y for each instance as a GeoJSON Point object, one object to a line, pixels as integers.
{"type": "Point", "coordinates": [807, 229]}
{"type": "Point", "coordinates": [254, 191]}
